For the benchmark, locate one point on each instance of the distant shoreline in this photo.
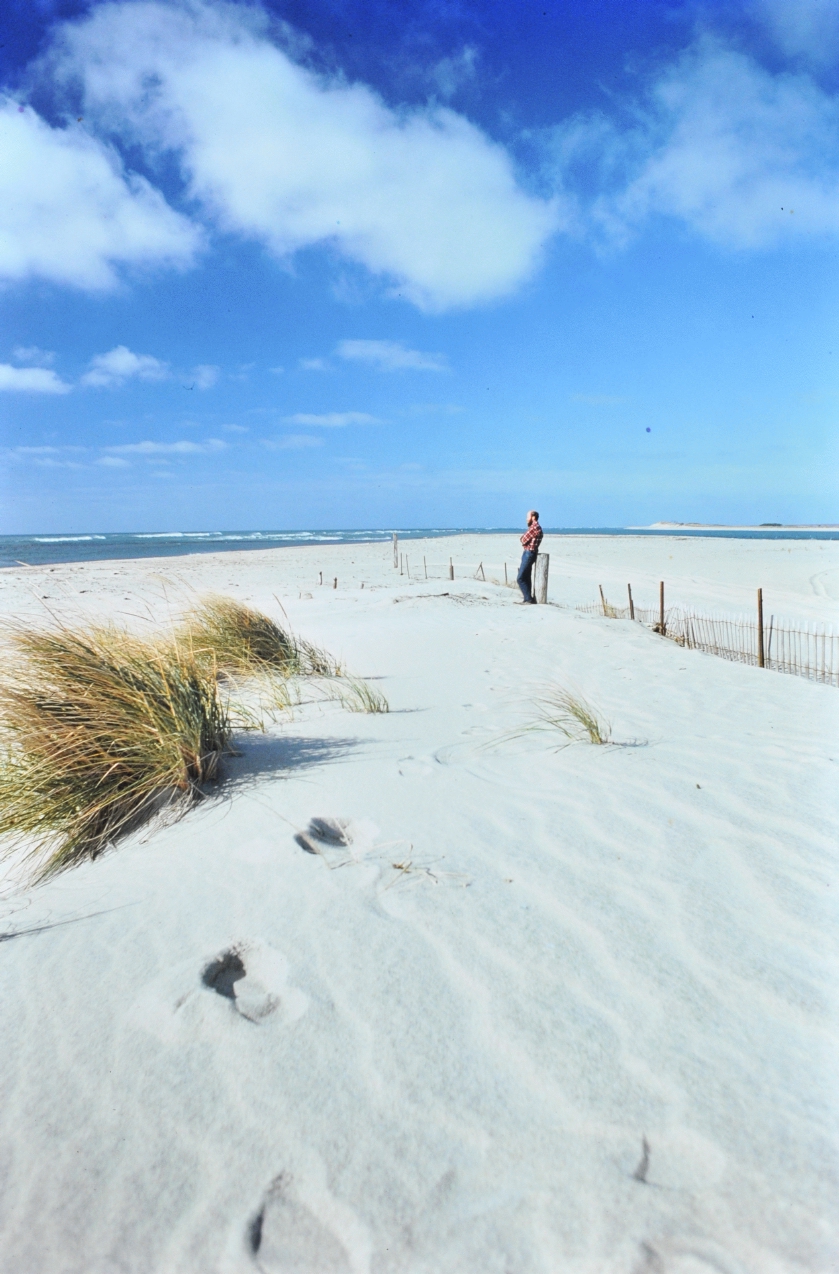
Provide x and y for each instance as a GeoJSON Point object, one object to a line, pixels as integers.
{"type": "Point", "coordinates": [736, 526]}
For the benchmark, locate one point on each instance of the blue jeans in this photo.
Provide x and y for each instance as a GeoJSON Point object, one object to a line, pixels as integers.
{"type": "Point", "coordinates": [525, 575]}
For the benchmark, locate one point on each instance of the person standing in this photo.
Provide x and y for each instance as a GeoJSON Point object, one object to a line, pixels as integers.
{"type": "Point", "coordinates": [530, 542]}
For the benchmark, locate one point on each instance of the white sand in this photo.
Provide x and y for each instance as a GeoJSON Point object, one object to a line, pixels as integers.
{"type": "Point", "coordinates": [452, 1066]}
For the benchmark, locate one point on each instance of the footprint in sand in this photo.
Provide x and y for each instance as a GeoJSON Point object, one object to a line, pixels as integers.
{"type": "Point", "coordinates": [670, 1259]}
{"type": "Point", "coordinates": [285, 1237]}
{"type": "Point", "coordinates": [253, 977]}
{"type": "Point", "coordinates": [338, 840]}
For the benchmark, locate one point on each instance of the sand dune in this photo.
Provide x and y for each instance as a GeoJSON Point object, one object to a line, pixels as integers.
{"type": "Point", "coordinates": [523, 1010]}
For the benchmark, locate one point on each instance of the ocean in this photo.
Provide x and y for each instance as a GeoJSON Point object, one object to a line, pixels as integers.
{"type": "Point", "coordinates": [42, 550]}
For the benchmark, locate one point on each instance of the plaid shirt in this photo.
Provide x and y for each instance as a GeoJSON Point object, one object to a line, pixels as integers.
{"type": "Point", "coordinates": [532, 538]}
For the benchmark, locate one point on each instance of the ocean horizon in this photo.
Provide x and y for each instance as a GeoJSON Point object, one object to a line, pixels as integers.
{"type": "Point", "coordinates": [49, 550]}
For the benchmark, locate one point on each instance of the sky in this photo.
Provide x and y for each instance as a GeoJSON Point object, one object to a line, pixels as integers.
{"type": "Point", "coordinates": [417, 263]}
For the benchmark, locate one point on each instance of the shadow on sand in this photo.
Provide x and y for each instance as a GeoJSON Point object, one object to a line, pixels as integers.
{"type": "Point", "coordinates": [261, 755]}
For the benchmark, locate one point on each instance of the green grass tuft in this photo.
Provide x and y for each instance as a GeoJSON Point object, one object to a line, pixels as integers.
{"type": "Point", "coordinates": [96, 726]}
{"type": "Point", "coordinates": [572, 716]}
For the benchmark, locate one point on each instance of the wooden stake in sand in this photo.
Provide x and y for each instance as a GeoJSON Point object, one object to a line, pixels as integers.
{"type": "Point", "coordinates": [335, 582]}
{"type": "Point", "coordinates": [424, 567]}
{"type": "Point", "coordinates": [320, 573]}
{"type": "Point", "coordinates": [760, 660]}
{"type": "Point", "coordinates": [631, 603]}
{"type": "Point", "coordinates": [505, 573]}
{"type": "Point", "coordinates": [395, 550]}
{"type": "Point", "coordinates": [451, 569]}
{"type": "Point", "coordinates": [603, 600]}
{"type": "Point", "coordinates": [401, 571]}
{"type": "Point", "coordinates": [662, 627]}
{"type": "Point", "coordinates": [540, 573]}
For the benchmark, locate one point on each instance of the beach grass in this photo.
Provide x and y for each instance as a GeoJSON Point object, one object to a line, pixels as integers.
{"type": "Point", "coordinates": [97, 727]}
{"type": "Point", "coordinates": [240, 641]}
{"type": "Point", "coordinates": [569, 713]}
{"type": "Point", "coordinates": [357, 695]}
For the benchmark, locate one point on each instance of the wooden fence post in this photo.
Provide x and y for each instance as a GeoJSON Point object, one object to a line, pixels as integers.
{"type": "Point", "coordinates": [505, 573]}
{"type": "Point", "coordinates": [395, 550]}
{"type": "Point", "coordinates": [424, 567]}
{"type": "Point", "coordinates": [451, 569]}
{"type": "Point", "coordinates": [662, 627]}
{"type": "Point", "coordinates": [320, 581]}
{"type": "Point", "coordinates": [335, 582]}
{"type": "Point", "coordinates": [602, 599]}
{"type": "Point", "coordinates": [543, 563]}
{"type": "Point", "coordinates": [760, 660]}
{"type": "Point", "coordinates": [631, 603]}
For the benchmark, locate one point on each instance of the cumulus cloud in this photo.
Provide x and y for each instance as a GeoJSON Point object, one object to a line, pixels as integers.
{"type": "Point", "coordinates": [803, 28]}
{"type": "Point", "coordinates": [451, 73]}
{"type": "Point", "coordinates": [114, 462]}
{"type": "Point", "coordinates": [333, 419]}
{"type": "Point", "coordinates": [270, 150]}
{"type": "Point", "coordinates": [390, 356]}
{"type": "Point", "coordinates": [71, 214]}
{"type": "Point", "coordinates": [313, 365]}
{"type": "Point", "coordinates": [293, 442]}
{"type": "Point", "coordinates": [108, 371]}
{"type": "Point", "coordinates": [204, 376]}
{"type": "Point", "coordinates": [156, 449]}
{"type": "Point", "coordinates": [33, 355]}
{"type": "Point", "coordinates": [744, 157]}
{"type": "Point", "coordinates": [31, 380]}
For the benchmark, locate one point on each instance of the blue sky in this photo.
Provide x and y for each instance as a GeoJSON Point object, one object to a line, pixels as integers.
{"type": "Point", "coordinates": [326, 264]}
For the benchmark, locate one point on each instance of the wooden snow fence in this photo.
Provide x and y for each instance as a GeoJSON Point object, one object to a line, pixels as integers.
{"type": "Point", "coordinates": [804, 649]}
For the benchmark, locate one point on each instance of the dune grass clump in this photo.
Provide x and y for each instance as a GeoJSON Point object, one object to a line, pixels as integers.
{"type": "Point", "coordinates": [243, 642]}
{"type": "Point", "coordinates": [237, 640]}
{"type": "Point", "coordinates": [96, 727]}
{"type": "Point", "coordinates": [572, 716]}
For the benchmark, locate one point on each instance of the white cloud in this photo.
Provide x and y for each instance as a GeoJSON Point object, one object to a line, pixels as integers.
{"type": "Point", "coordinates": [293, 442]}
{"type": "Point", "coordinates": [314, 365]}
{"type": "Point", "coordinates": [747, 159]}
{"type": "Point", "coordinates": [805, 28]}
{"type": "Point", "coordinates": [113, 462]}
{"type": "Point", "coordinates": [168, 448]}
{"type": "Point", "coordinates": [391, 356]}
{"type": "Point", "coordinates": [31, 380]}
{"type": "Point", "coordinates": [69, 212]}
{"type": "Point", "coordinates": [107, 371]}
{"type": "Point", "coordinates": [333, 419]}
{"type": "Point", "coordinates": [273, 151]}
{"type": "Point", "coordinates": [451, 73]}
{"type": "Point", "coordinates": [204, 376]}
{"type": "Point", "coordinates": [33, 355]}
{"type": "Point", "coordinates": [744, 157]}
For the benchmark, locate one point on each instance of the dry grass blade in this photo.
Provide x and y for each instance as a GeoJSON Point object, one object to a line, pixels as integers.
{"type": "Point", "coordinates": [238, 640]}
{"type": "Point", "coordinates": [357, 695]}
{"type": "Point", "coordinates": [244, 642]}
{"type": "Point", "coordinates": [96, 727]}
{"type": "Point", "coordinates": [572, 715]}
{"type": "Point", "coordinates": [317, 662]}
